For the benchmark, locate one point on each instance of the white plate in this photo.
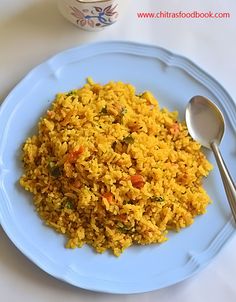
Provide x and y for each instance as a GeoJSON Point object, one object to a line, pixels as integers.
{"type": "Point", "coordinates": [173, 80]}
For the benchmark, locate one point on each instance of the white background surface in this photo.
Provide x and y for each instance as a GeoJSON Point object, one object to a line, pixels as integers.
{"type": "Point", "coordinates": [30, 32]}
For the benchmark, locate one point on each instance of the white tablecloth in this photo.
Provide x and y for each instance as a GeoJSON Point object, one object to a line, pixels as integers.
{"type": "Point", "coordinates": [32, 31]}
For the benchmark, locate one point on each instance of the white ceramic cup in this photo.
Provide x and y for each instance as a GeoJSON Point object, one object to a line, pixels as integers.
{"type": "Point", "coordinates": [92, 15]}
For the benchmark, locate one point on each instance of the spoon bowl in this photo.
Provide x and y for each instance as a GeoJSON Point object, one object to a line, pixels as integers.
{"type": "Point", "coordinates": [205, 123]}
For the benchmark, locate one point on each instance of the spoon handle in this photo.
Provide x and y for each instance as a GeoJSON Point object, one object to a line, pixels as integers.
{"type": "Point", "coordinates": [229, 186]}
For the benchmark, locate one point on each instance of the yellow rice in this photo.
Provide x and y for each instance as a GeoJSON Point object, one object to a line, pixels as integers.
{"type": "Point", "coordinates": [111, 169]}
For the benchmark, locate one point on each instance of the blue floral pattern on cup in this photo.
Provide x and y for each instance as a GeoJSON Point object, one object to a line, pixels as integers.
{"type": "Point", "coordinates": [96, 17]}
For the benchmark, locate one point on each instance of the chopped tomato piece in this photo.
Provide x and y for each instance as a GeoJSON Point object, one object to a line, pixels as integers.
{"type": "Point", "coordinates": [108, 196]}
{"type": "Point", "coordinates": [137, 181]}
{"type": "Point", "coordinates": [72, 156]}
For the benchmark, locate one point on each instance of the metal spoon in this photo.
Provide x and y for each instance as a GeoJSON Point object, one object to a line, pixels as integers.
{"type": "Point", "coordinates": [206, 125]}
